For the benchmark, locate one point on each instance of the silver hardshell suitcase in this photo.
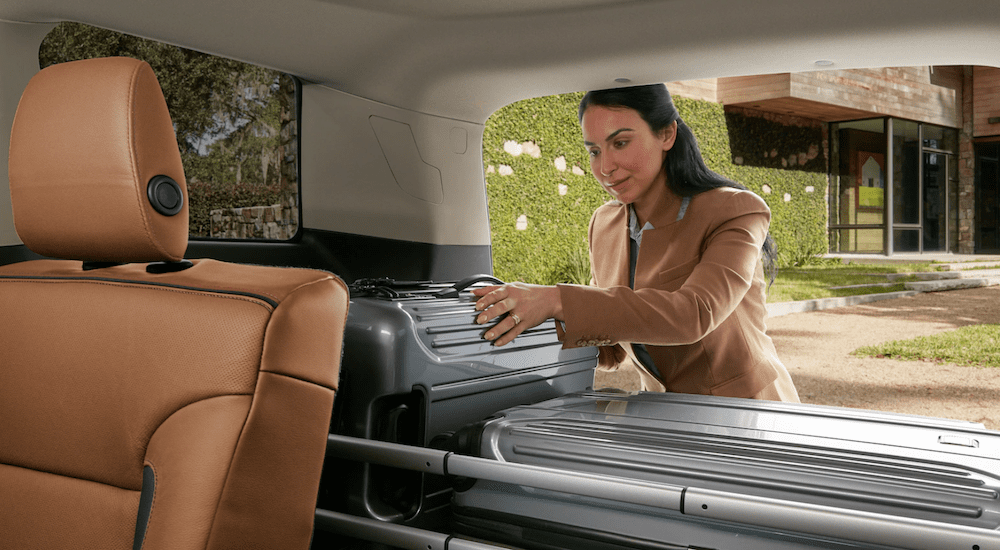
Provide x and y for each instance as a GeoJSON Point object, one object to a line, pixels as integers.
{"type": "Point", "coordinates": [754, 475]}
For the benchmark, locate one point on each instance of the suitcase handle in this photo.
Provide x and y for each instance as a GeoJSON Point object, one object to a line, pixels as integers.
{"type": "Point", "coordinates": [465, 283]}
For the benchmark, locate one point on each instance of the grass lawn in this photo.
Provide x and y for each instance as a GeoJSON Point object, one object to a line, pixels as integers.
{"type": "Point", "coordinates": [812, 282]}
{"type": "Point", "coordinates": [972, 345]}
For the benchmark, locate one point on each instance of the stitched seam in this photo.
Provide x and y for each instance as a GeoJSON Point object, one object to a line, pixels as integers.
{"type": "Point", "coordinates": [134, 156]}
{"type": "Point", "coordinates": [264, 295]}
{"type": "Point", "coordinates": [299, 379]}
{"type": "Point", "coordinates": [310, 283]}
{"type": "Point", "coordinates": [67, 476]}
{"type": "Point", "coordinates": [150, 286]}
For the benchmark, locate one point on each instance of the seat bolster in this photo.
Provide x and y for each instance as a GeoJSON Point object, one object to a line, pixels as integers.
{"type": "Point", "coordinates": [279, 460]}
{"type": "Point", "coordinates": [304, 338]}
{"type": "Point", "coordinates": [270, 495]}
{"type": "Point", "coordinates": [190, 454]}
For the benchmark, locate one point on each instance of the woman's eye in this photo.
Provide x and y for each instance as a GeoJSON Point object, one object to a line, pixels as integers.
{"type": "Point", "coordinates": [620, 144]}
{"type": "Point", "coordinates": [593, 152]}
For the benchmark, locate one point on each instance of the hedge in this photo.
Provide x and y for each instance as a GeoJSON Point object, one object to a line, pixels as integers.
{"type": "Point", "coordinates": [525, 144]}
{"type": "Point", "coordinates": [204, 197]}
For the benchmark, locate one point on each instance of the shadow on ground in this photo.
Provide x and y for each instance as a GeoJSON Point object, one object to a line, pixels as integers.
{"type": "Point", "coordinates": [956, 307]}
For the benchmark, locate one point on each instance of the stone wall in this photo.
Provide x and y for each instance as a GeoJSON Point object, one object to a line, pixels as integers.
{"type": "Point", "coordinates": [967, 170]}
{"type": "Point", "coordinates": [275, 222]}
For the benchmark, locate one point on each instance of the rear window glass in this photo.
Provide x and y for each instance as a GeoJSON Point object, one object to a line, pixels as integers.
{"type": "Point", "coordinates": [236, 130]}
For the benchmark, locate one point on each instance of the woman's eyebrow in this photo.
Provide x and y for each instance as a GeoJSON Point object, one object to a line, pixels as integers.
{"type": "Point", "coordinates": [612, 135]}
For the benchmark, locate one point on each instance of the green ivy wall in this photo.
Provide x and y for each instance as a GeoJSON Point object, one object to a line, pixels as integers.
{"type": "Point", "coordinates": [542, 194]}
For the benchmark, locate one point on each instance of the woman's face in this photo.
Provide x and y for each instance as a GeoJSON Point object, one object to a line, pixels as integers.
{"type": "Point", "coordinates": [625, 155]}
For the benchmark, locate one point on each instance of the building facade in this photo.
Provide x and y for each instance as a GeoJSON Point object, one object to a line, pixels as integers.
{"type": "Point", "coordinates": [913, 153]}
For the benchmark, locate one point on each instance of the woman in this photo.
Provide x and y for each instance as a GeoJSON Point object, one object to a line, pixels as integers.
{"type": "Point", "coordinates": [677, 260]}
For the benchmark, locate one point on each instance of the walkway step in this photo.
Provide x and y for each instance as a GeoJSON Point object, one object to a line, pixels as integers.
{"type": "Point", "coordinates": [784, 308]}
{"type": "Point", "coordinates": [942, 275]}
{"type": "Point", "coordinates": [925, 275]}
{"type": "Point", "coordinates": [866, 285]}
{"type": "Point", "coordinates": [934, 281]}
{"type": "Point", "coordinates": [979, 274]}
{"type": "Point", "coordinates": [962, 266]}
{"type": "Point", "coordinates": [952, 284]}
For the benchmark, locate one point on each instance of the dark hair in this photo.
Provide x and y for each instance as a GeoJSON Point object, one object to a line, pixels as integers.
{"type": "Point", "coordinates": [684, 166]}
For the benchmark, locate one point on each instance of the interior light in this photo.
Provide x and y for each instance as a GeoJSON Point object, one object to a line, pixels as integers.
{"type": "Point", "coordinates": [623, 80]}
{"type": "Point", "coordinates": [823, 63]}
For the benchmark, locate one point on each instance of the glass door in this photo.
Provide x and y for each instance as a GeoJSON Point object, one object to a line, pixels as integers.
{"type": "Point", "coordinates": [988, 198]}
{"type": "Point", "coordinates": [906, 197]}
{"type": "Point", "coordinates": [924, 188]}
{"type": "Point", "coordinates": [935, 202]}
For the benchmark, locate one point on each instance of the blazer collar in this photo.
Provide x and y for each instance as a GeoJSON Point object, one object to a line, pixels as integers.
{"type": "Point", "coordinates": [617, 251]}
{"type": "Point", "coordinates": [665, 214]}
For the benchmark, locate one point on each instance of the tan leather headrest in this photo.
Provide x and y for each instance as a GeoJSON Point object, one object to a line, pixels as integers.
{"type": "Point", "coordinates": [90, 139]}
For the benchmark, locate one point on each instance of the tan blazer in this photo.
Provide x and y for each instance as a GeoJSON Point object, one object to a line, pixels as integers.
{"type": "Point", "coordinates": [699, 298]}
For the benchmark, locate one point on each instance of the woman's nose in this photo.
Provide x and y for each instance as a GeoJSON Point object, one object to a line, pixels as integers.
{"type": "Point", "coordinates": [607, 165]}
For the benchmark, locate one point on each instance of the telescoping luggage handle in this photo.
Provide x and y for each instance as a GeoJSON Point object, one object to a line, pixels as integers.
{"type": "Point", "coordinates": [390, 288]}
{"type": "Point", "coordinates": [465, 283]}
{"type": "Point", "coordinates": [829, 521]}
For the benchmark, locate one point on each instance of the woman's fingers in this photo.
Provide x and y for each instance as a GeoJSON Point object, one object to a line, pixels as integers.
{"type": "Point", "coordinates": [516, 306]}
{"type": "Point", "coordinates": [484, 290]}
{"type": "Point", "coordinates": [505, 331]}
{"type": "Point", "coordinates": [494, 301]}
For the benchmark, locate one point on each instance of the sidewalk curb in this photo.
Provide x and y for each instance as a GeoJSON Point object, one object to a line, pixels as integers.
{"type": "Point", "coordinates": [778, 309]}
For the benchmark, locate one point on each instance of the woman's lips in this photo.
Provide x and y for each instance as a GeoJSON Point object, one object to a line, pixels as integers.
{"type": "Point", "coordinates": [613, 186]}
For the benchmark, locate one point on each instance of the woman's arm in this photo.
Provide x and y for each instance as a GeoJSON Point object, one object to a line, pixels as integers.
{"type": "Point", "coordinates": [680, 310]}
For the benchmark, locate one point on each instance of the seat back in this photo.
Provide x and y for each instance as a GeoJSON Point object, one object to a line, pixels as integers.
{"type": "Point", "coordinates": [170, 405]}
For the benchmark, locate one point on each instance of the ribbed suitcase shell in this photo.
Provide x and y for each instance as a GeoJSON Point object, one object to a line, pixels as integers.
{"type": "Point", "coordinates": [415, 367]}
{"type": "Point", "coordinates": [902, 465]}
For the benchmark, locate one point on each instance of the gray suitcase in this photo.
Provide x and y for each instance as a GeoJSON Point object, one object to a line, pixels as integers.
{"type": "Point", "coordinates": [415, 367]}
{"type": "Point", "coordinates": [755, 475]}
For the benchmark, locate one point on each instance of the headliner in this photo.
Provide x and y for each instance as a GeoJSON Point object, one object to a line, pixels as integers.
{"type": "Point", "coordinates": [464, 59]}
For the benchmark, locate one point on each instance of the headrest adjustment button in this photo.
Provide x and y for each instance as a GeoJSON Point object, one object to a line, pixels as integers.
{"type": "Point", "coordinates": [165, 195]}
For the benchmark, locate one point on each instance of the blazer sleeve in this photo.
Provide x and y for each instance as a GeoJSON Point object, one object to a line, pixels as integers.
{"type": "Point", "coordinates": [720, 279]}
{"type": "Point", "coordinates": [611, 357]}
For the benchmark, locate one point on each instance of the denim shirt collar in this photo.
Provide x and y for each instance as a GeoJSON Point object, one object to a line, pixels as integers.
{"type": "Point", "coordinates": [633, 226]}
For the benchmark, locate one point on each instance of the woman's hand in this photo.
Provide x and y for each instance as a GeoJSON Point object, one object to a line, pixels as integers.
{"type": "Point", "coordinates": [526, 306]}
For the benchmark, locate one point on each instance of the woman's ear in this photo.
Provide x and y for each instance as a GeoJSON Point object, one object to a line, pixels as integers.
{"type": "Point", "coordinates": [669, 135]}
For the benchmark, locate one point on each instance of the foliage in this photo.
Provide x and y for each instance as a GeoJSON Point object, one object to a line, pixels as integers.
{"type": "Point", "coordinates": [839, 266]}
{"type": "Point", "coordinates": [972, 345]}
{"type": "Point", "coordinates": [798, 225]}
{"type": "Point", "coordinates": [553, 246]}
{"type": "Point", "coordinates": [827, 278]}
{"type": "Point", "coordinates": [550, 248]}
{"type": "Point", "coordinates": [791, 286]}
{"type": "Point", "coordinates": [226, 114]}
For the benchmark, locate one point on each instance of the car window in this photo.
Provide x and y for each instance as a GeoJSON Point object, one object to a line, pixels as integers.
{"type": "Point", "coordinates": [236, 127]}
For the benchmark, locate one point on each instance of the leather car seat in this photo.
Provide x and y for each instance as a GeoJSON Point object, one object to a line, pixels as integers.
{"type": "Point", "coordinates": [146, 401]}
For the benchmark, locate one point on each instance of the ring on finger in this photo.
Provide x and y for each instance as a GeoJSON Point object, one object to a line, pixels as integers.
{"type": "Point", "coordinates": [517, 320]}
